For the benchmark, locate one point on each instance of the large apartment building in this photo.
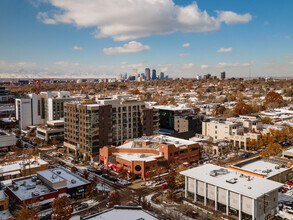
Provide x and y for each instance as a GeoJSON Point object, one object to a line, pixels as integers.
{"type": "Point", "coordinates": [35, 109]}
{"type": "Point", "coordinates": [236, 130]}
{"type": "Point", "coordinates": [106, 121]}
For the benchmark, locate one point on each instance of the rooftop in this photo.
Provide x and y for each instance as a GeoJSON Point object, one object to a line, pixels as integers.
{"type": "Point", "coordinates": [123, 213]}
{"type": "Point", "coordinates": [263, 166]}
{"type": "Point", "coordinates": [172, 107]}
{"type": "Point", "coordinates": [250, 186]}
{"type": "Point", "coordinates": [27, 188]}
{"type": "Point", "coordinates": [138, 156]}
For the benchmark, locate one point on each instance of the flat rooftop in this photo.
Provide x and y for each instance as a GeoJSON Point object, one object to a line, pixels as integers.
{"type": "Point", "coordinates": [138, 156]}
{"type": "Point", "coordinates": [123, 213]}
{"type": "Point", "coordinates": [28, 188]}
{"type": "Point", "coordinates": [263, 166]}
{"type": "Point", "coordinates": [72, 180]}
{"type": "Point", "coordinates": [155, 141]}
{"type": "Point", "coordinates": [255, 187]}
{"type": "Point", "coordinates": [172, 107]}
{"type": "Point", "coordinates": [21, 164]}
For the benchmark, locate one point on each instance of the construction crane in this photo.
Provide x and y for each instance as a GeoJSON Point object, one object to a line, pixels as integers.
{"type": "Point", "coordinates": [39, 83]}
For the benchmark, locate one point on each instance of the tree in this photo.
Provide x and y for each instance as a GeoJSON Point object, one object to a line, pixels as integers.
{"type": "Point", "coordinates": [274, 98]}
{"type": "Point", "coordinates": [272, 150]}
{"type": "Point", "coordinates": [219, 111]}
{"type": "Point", "coordinates": [266, 120]}
{"type": "Point", "coordinates": [145, 204]}
{"type": "Point", "coordinates": [114, 199]}
{"type": "Point", "coordinates": [27, 214]}
{"type": "Point", "coordinates": [54, 141]}
{"type": "Point", "coordinates": [61, 208]}
{"type": "Point", "coordinates": [242, 109]}
{"type": "Point", "coordinates": [171, 182]}
{"type": "Point", "coordinates": [85, 174]}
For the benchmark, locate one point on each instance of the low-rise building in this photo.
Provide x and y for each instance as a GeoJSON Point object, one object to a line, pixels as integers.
{"type": "Point", "coordinates": [19, 168]}
{"type": "Point", "coordinates": [52, 129]}
{"type": "Point", "coordinates": [4, 203]}
{"type": "Point", "coordinates": [232, 192]}
{"type": "Point", "coordinates": [271, 169]}
{"type": "Point", "coordinates": [141, 155]}
{"type": "Point", "coordinates": [6, 140]}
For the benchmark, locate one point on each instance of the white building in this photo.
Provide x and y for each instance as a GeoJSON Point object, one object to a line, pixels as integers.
{"type": "Point", "coordinates": [29, 110]}
{"type": "Point", "coordinates": [232, 191]}
{"type": "Point", "coordinates": [6, 140]}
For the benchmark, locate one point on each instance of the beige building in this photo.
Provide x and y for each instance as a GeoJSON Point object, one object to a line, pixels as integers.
{"type": "Point", "coordinates": [52, 129]}
{"type": "Point", "coordinates": [236, 130]}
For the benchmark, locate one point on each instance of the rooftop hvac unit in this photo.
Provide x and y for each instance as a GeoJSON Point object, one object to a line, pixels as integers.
{"type": "Point", "coordinates": [177, 142]}
{"type": "Point", "coordinates": [277, 167]}
{"type": "Point", "coordinates": [35, 193]}
{"type": "Point", "coordinates": [73, 181]}
{"type": "Point", "coordinates": [54, 176]}
{"type": "Point", "coordinates": [15, 187]}
{"type": "Point", "coordinates": [232, 181]}
{"type": "Point", "coordinates": [213, 173]}
{"type": "Point", "coordinates": [34, 178]}
{"type": "Point", "coordinates": [38, 182]}
{"type": "Point", "coordinates": [58, 172]}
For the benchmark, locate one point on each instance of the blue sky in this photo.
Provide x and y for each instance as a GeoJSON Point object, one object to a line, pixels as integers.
{"type": "Point", "coordinates": [41, 38]}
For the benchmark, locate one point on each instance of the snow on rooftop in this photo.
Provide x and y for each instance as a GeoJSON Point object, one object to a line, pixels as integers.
{"type": "Point", "coordinates": [147, 157]}
{"type": "Point", "coordinates": [130, 213]}
{"type": "Point", "coordinates": [254, 188]}
{"type": "Point", "coordinates": [19, 165]}
{"type": "Point", "coordinates": [262, 167]}
{"type": "Point", "coordinates": [172, 107]}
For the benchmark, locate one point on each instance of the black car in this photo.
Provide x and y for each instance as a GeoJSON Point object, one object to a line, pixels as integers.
{"type": "Point", "coordinates": [106, 176]}
{"type": "Point", "coordinates": [75, 162]}
{"type": "Point", "coordinates": [91, 169]}
{"type": "Point", "coordinates": [82, 206]}
{"type": "Point", "coordinates": [98, 171]}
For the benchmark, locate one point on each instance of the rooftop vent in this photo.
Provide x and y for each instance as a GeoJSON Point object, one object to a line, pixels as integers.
{"type": "Point", "coordinates": [34, 178]}
{"type": "Point", "coordinates": [58, 172]}
{"type": "Point", "coordinates": [15, 187]}
{"type": "Point", "coordinates": [54, 176]}
{"type": "Point", "coordinates": [277, 167]}
{"type": "Point", "coordinates": [142, 156]}
{"type": "Point", "coordinates": [38, 182]}
{"type": "Point", "coordinates": [73, 181]}
{"type": "Point", "coordinates": [177, 142]}
{"type": "Point", "coordinates": [232, 181]}
{"type": "Point", "coordinates": [35, 193]}
{"type": "Point", "coordinates": [221, 171]}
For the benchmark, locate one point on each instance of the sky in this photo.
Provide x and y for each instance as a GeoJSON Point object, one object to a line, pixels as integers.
{"type": "Point", "coordinates": [98, 38]}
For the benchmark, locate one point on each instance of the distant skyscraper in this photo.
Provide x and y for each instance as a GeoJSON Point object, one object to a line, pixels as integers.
{"type": "Point", "coordinates": [135, 74]}
{"type": "Point", "coordinates": [223, 75]}
{"type": "Point", "coordinates": [162, 75]}
{"type": "Point", "coordinates": [148, 74]}
{"type": "Point", "coordinates": [125, 75]}
{"type": "Point", "coordinates": [154, 74]}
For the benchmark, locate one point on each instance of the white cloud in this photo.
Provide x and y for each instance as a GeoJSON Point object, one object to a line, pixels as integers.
{"type": "Point", "coordinates": [287, 37]}
{"type": "Point", "coordinates": [77, 48]}
{"type": "Point", "coordinates": [132, 19]}
{"type": "Point", "coordinates": [230, 17]}
{"type": "Point", "coordinates": [187, 66]}
{"type": "Point", "coordinates": [204, 66]}
{"type": "Point", "coordinates": [66, 63]}
{"type": "Point", "coordinates": [224, 50]}
{"type": "Point", "coordinates": [186, 45]}
{"type": "Point", "coordinates": [131, 47]}
{"type": "Point", "coordinates": [184, 55]}
{"type": "Point", "coordinates": [229, 65]}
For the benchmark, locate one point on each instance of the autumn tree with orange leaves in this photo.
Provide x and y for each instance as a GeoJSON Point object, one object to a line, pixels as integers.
{"type": "Point", "coordinates": [61, 208]}
{"type": "Point", "coordinates": [274, 98]}
{"type": "Point", "coordinates": [242, 109]}
{"type": "Point", "coordinates": [27, 214]}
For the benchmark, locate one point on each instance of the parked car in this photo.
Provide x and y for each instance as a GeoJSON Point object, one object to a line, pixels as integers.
{"type": "Point", "coordinates": [290, 183]}
{"type": "Point", "coordinates": [91, 169]}
{"type": "Point", "coordinates": [82, 206]}
{"type": "Point", "coordinates": [75, 162]}
{"type": "Point", "coordinates": [164, 186]}
{"type": "Point", "coordinates": [74, 169]}
{"type": "Point", "coordinates": [98, 171]}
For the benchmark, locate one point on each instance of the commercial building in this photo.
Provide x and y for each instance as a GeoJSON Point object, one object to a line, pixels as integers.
{"type": "Point", "coordinates": [6, 140]}
{"type": "Point", "coordinates": [232, 192]}
{"type": "Point", "coordinates": [271, 169]}
{"type": "Point", "coordinates": [6, 96]}
{"type": "Point", "coordinates": [41, 189]}
{"type": "Point", "coordinates": [162, 75]}
{"type": "Point", "coordinates": [167, 115]}
{"type": "Point", "coordinates": [142, 155]}
{"type": "Point", "coordinates": [51, 130]}
{"type": "Point", "coordinates": [223, 75]}
{"type": "Point", "coordinates": [54, 102]}
{"type": "Point", "coordinates": [7, 111]}
{"type": "Point", "coordinates": [188, 125]}
{"type": "Point", "coordinates": [154, 74]}
{"type": "Point", "coordinates": [236, 130]}
{"type": "Point", "coordinates": [4, 203]}
{"type": "Point", "coordinates": [19, 168]}
{"type": "Point", "coordinates": [29, 110]}
{"type": "Point", "coordinates": [106, 121]}
{"type": "Point", "coordinates": [148, 74]}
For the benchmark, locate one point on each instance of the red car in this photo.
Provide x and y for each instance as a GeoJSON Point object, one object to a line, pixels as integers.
{"type": "Point", "coordinates": [164, 186]}
{"type": "Point", "coordinates": [290, 183]}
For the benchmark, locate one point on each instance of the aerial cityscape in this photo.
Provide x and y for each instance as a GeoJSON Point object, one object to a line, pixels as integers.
{"type": "Point", "coordinates": [146, 109]}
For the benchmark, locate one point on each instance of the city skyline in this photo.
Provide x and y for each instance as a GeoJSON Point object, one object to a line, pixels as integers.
{"type": "Point", "coordinates": [41, 38]}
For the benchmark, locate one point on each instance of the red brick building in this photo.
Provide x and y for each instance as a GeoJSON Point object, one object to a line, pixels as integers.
{"type": "Point", "coordinates": [139, 156]}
